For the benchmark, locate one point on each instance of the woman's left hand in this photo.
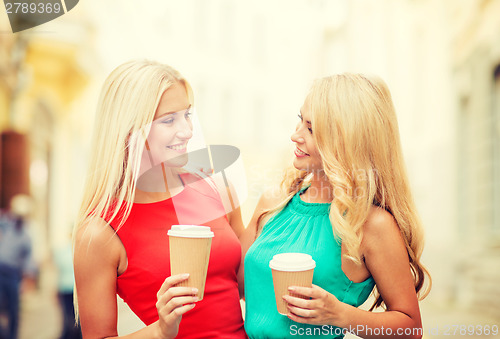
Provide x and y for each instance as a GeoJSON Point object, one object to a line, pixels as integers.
{"type": "Point", "coordinates": [321, 307]}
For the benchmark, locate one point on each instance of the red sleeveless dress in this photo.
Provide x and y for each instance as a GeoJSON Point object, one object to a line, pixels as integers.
{"type": "Point", "coordinates": [144, 235]}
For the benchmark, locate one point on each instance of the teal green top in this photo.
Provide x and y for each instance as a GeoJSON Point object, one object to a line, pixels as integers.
{"type": "Point", "coordinates": [300, 227]}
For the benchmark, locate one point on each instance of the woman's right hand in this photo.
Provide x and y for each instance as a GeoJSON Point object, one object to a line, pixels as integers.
{"type": "Point", "coordinates": [172, 303]}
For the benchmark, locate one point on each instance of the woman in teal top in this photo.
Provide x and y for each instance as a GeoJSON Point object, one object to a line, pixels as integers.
{"type": "Point", "coordinates": [347, 203]}
{"type": "Point", "coordinates": [299, 227]}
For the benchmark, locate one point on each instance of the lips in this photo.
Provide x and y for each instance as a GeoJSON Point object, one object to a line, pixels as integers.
{"type": "Point", "coordinates": [178, 147]}
{"type": "Point", "coordinates": [300, 153]}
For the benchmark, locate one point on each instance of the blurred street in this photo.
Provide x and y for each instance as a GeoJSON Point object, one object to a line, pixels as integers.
{"type": "Point", "coordinates": [40, 312]}
{"type": "Point", "coordinates": [41, 316]}
{"type": "Point", "coordinates": [445, 322]}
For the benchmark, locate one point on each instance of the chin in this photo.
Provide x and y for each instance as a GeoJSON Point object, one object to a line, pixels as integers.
{"type": "Point", "coordinates": [299, 167]}
{"type": "Point", "coordinates": [178, 161]}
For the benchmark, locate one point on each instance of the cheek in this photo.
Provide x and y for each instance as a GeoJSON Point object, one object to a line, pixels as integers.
{"type": "Point", "coordinates": [311, 145]}
{"type": "Point", "coordinates": [314, 151]}
{"type": "Point", "coordinates": [153, 133]}
{"type": "Point", "coordinates": [158, 135]}
{"type": "Point", "coordinates": [317, 157]}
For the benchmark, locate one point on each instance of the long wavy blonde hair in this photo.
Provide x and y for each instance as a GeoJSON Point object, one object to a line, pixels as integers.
{"type": "Point", "coordinates": [356, 132]}
{"type": "Point", "coordinates": [125, 111]}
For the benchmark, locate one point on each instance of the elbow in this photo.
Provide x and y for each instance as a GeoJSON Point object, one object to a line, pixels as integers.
{"type": "Point", "coordinates": [410, 331]}
{"type": "Point", "coordinates": [414, 328]}
{"type": "Point", "coordinates": [417, 332]}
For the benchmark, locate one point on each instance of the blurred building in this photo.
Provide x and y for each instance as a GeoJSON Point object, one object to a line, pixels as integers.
{"type": "Point", "coordinates": [476, 85]}
{"type": "Point", "coordinates": [44, 75]}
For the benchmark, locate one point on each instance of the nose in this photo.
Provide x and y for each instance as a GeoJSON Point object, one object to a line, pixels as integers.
{"type": "Point", "coordinates": [185, 130]}
{"type": "Point", "coordinates": [297, 136]}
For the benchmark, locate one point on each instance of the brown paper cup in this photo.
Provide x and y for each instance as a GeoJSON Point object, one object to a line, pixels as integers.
{"type": "Point", "coordinates": [290, 269]}
{"type": "Point", "coordinates": [283, 280]}
{"type": "Point", "coordinates": [190, 255]}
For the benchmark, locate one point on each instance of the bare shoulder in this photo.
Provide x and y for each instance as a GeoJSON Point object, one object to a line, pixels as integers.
{"type": "Point", "coordinates": [268, 200]}
{"type": "Point", "coordinates": [379, 220]}
{"type": "Point", "coordinates": [96, 240]}
{"type": "Point", "coordinates": [94, 232]}
{"type": "Point", "coordinates": [380, 229]}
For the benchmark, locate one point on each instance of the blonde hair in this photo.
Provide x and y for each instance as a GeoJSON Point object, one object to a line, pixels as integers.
{"type": "Point", "coordinates": [125, 111]}
{"type": "Point", "coordinates": [356, 132]}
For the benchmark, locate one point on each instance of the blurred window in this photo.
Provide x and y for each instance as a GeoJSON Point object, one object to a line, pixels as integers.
{"type": "Point", "coordinates": [479, 157]}
{"type": "Point", "coordinates": [465, 191]}
{"type": "Point", "coordinates": [14, 166]}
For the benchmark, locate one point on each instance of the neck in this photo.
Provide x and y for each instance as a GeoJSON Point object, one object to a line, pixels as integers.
{"type": "Point", "coordinates": [320, 191]}
{"type": "Point", "coordinates": [159, 183]}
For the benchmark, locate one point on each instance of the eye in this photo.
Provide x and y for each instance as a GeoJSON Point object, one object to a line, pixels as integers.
{"type": "Point", "coordinates": [168, 121]}
{"type": "Point", "coordinates": [187, 115]}
{"type": "Point", "coordinates": [302, 119]}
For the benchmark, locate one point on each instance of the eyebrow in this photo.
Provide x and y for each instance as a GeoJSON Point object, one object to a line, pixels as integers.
{"type": "Point", "coordinates": [308, 121]}
{"type": "Point", "coordinates": [167, 113]}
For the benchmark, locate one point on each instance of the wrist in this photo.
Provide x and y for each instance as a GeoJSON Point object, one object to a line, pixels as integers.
{"type": "Point", "coordinates": [341, 315]}
{"type": "Point", "coordinates": [158, 331]}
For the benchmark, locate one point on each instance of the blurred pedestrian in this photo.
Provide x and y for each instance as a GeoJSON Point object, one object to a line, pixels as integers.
{"type": "Point", "coordinates": [15, 261]}
{"type": "Point", "coordinates": [65, 285]}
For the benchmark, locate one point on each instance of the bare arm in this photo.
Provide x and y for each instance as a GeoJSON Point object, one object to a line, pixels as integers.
{"type": "Point", "coordinates": [387, 260]}
{"type": "Point", "coordinates": [267, 201]}
{"type": "Point", "coordinates": [99, 255]}
{"type": "Point", "coordinates": [236, 222]}
{"type": "Point", "coordinates": [231, 204]}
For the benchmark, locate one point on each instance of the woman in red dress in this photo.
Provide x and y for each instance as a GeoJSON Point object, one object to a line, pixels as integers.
{"type": "Point", "coordinates": [135, 191]}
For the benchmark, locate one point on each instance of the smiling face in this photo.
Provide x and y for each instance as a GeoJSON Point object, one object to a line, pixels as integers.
{"type": "Point", "coordinates": [307, 157]}
{"type": "Point", "coordinates": [171, 129]}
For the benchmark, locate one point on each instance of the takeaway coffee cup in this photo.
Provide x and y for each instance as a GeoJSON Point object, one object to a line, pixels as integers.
{"type": "Point", "coordinates": [189, 253]}
{"type": "Point", "coordinates": [290, 269]}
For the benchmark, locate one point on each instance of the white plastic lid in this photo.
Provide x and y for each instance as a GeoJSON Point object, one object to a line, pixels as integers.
{"type": "Point", "coordinates": [190, 231]}
{"type": "Point", "coordinates": [292, 262]}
